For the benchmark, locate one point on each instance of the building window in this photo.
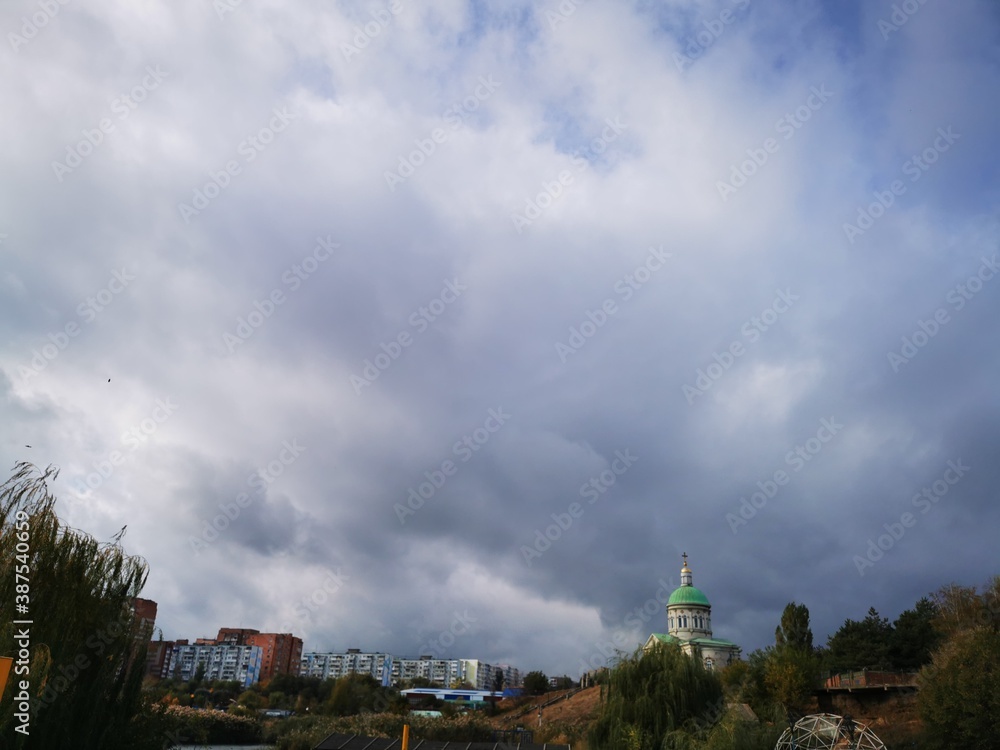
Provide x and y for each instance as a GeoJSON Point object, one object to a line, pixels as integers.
{"type": "Point", "coordinates": [710, 664]}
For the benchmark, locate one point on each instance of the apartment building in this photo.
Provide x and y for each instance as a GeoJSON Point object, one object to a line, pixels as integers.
{"type": "Point", "coordinates": [393, 670]}
{"type": "Point", "coordinates": [282, 653]}
{"type": "Point", "coordinates": [220, 662]}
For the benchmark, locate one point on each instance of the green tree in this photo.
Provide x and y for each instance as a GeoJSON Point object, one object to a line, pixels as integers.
{"type": "Point", "coordinates": [753, 687]}
{"type": "Point", "coordinates": [790, 676]}
{"type": "Point", "coordinates": [565, 682]}
{"type": "Point", "coordinates": [861, 645]}
{"type": "Point", "coordinates": [792, 668]}
{"type": "Point", "coordinates": [353, 694]}
{"type": "Point", "coordinates": [959, 697]}
{"type": "Point", "coordinates": [250, 699]}
{"type": "Point", "coordinates": [536, 683]}
{"type": "Point", "coordinates": [277, 699]}
{"type": "Point", "coordinates": [794, 629]}
{"type": "Point", "coordinates": [652, 695]}
{"type": "Point", "coordinates": [498, 680]}
{"type": "Point", "coordinates": [914, 637]}
{"type": "Point", "coordinates": [86, 655]}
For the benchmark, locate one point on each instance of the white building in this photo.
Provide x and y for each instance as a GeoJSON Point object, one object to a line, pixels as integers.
{"type": "Point", "coordinates": [333, 665]}
{"type": "Point", "coordinates": [689, 625]}
{"type": "Point", "coordinates": [220, 662]}
{"type": "Point", "coordinates": [394, 670]}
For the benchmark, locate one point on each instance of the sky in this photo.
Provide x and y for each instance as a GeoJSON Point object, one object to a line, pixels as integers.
{"type": "Point", "coordinates": [446, 328]}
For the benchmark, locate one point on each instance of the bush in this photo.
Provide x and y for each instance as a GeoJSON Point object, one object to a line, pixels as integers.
{"type": "Point", "coordinates": [304, 733]}
{"type": "Point", "coordinates": [959, 698]}
{"type": "Point", "coordinates": [209, 726]}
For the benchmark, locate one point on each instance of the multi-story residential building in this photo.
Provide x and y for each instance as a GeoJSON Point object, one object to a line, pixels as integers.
{"type": "Point", "coordinates": [389, 669]}
{"type": "Point", "coordinates": [477, 673]}
{"type": "Point", "coordinates": [282, 653]}
{"type": "Point", "coordinates": [144, 611]}
{"type": "Point", "coordinates": [158, 656]}
{"type": "Point", "coordinates": [333, 665]}
{"type": "Point", "coordinates": [235, 636]}
{"type": "Point", "coordinates": [220, 662]}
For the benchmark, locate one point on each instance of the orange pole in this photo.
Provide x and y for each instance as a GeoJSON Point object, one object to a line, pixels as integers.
{"type": "Point", "coordinates": [406, 737]}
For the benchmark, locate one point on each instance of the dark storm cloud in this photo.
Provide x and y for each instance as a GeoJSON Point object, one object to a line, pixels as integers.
{"type": "Point", "coordinates": [597, 286]}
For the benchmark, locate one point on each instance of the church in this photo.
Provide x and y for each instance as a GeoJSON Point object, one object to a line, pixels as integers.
{"type": "Point", "coordinates": [689, 624]}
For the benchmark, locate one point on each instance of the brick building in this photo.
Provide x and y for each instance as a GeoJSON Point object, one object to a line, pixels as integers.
{"type": "Point", "coordinates": [282, 653]}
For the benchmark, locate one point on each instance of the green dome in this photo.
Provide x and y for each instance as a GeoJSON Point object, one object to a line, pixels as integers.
{"type": "Point", "coordinates": [688, 595]}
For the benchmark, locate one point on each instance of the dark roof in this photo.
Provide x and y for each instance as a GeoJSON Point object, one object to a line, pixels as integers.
{"type": "Point", "coordinates": [356, 742]}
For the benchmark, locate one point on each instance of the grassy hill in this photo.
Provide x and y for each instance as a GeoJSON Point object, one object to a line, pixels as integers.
{"type": "Point", "coordinates": [566, 715]}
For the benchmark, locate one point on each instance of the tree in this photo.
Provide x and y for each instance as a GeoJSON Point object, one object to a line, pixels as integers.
{"type": "Point", "coordinates": [861, 645]}
{"type": "Point", "coordinates": [353, 693]}
{"type": "Point", "coordinates": [790, 675]}
{"type": "Point", "coordinates": [86, 655]}
{"type": "Point", "coordinates": [794, 629]}
{"type": "Point", "coordinates": [250, 699]}
{"type": "Point", "coordinates": [790, 669]}
{"type": "Point", "coordinates": [564, 683]}
{"type": "Point", "coordinates": [651, 695]}
{"type": "Point", "coordinates": [959, 698]}
{"type": "Point", "coordinates": [963, 607]}
{"type": "Point", "coordinates": [277, 699]}
{"type": "Point", "coordinates": [914, 637]}
{"type": "Point", "coordinates": [498, 680]}
{"type": "Point", "coordinates": [536, 683]}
